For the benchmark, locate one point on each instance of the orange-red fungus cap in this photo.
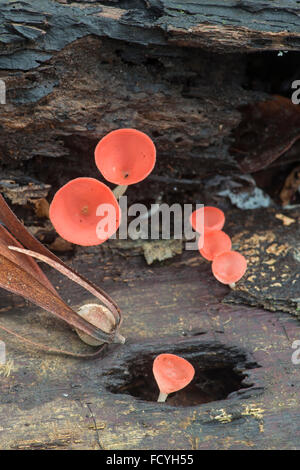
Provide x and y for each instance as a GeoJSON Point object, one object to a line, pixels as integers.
{"type": "Point", "coordinates": [172, 373]}
{"type": "Point", "coordinates": [125, 156]}
{"type": "Point", "coordinates": [229, 267]}
{"type": "Point", "coordinates": [215, 243]}
{"type": "Point", "coordinates": [85, 212]}
{"type": "Point", "coordinates": [214, 219]}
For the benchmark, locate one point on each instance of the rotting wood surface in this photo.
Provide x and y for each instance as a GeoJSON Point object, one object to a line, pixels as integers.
{"type": "Point", "coordinates": [56, 402]}
{"type": "Point", "coordinates": [74, 72]}
{"type": "Point", "coordinates": [236, 26]}
{"type": "Point", "coordinates": [270, 241]}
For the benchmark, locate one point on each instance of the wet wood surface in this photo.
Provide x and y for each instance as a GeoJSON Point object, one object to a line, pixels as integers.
{"type": "Point", "coordinates": [180, 72]}
{"type": "Point", "coordinates": [52, 401]}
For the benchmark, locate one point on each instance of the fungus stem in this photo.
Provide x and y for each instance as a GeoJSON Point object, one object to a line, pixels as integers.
{"type": "Point", "coordinates": [232, 285]}
{"type": "Point", "coordinates": [162, 397]}
{"type": "Point", "coordinates": [119, 338]}
{"type": "Point", "coordinates": [120, 190]}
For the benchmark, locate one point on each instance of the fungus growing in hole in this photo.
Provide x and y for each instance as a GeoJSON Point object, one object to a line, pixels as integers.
{"type": "Point", "coordinates": [214, 244]}
{"type": "Point", "coordinates": [124, 157]}
{"type": "Point", "coordinates": [229, 267]}
{"type": "Point", "coordinates": [102, 318]}
{"type": "Point", "coordinates": [213, 219]}
{"type": "Point", "coordinates": [85, 212]}
{"type": "Point", "coordinates": [172, 373]}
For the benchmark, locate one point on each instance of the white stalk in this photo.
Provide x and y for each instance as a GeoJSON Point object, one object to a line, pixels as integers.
{"type": "Point", "coordinates": [120, 191]}
{"type": "Point", "coordinates": [162, 397]}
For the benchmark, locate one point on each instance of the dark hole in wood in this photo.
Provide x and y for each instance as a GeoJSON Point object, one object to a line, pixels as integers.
{"type": "Point", "coordinates": [272, 72]}
{"type": "Point", "coordinates": [209, 385]}
{"type": "Point", "coordinates": [217, 375]}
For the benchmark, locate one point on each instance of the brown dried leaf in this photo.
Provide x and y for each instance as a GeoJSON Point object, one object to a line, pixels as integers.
{"type": "Point", "coordinates": [68, 273]}
{"type": "Point", "coordinates": [24, 277]}
{"type": "Point", "coordinates": [15, 279]}
{"type": "Point", "coordinates": [28, 264]}
{"type": "Point", "coordinates": [30, 242]}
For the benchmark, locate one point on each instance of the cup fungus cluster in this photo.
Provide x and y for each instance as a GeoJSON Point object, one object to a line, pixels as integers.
{"type": "Point", "coordinates": [228, 266]}
{"type": "Point", "coordinates": [85, 211]}
{"type": "Point", "coordinates": [172, 373]}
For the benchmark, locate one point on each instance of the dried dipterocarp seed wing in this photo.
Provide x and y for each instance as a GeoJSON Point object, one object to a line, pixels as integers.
{"type": "Point", "coordinates": [26, 279]}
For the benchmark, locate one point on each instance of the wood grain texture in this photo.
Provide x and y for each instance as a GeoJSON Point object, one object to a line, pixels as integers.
{"type": "Point", "coordinates": [88, 68]}
{"type": "Point", "coordinates": [56, 402]}
{"type": "Point", "coordinates": [177, 70]}
{"type": "Point", "coordinates": [272, 249]}
{"type": "Point", "coordinates": [232, 26]}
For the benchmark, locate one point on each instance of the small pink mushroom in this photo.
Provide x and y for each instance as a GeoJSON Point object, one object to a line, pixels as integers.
{"type": "Point", "coordinates": [74, 212]}
{"type": "Point", "coordinates": [172, 373]}
{"type": "Point", "coordinates": [213, 219]}
{"type": "Point", "coordinates": [229, 267]}
{"type": "Point", "coordinates": [215, 243]}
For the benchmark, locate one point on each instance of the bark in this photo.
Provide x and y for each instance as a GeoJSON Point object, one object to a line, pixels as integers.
{"type": "Point", "coordinates": [188, 74]}
{"type": "Point", "coordinates": [245, 391]}
{"type": "Point", "coordinates": [74, 71]}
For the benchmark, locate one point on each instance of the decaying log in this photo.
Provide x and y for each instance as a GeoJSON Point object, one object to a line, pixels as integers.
{"type": "Point", "coordinates": [187, 73]}
{"type": "Point", "coordinates": [21, 190]}
{"type": "Point", "coordinates": [74, 71]}
{"type": "Point", "coordinates": [246, 25]}
{"type": "Point", "coordinates": [56, 402]}
{"type": "Point", "coordinates": [270, 240]}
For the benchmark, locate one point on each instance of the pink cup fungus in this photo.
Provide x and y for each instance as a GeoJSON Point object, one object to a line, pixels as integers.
{"type": "Point", "coordinates": [85, 212]}
{"type": "Point", "coordinates": [215, 243]}
{"type": "Point", "coordinates": [229, 267]}
{"type": "Point", "coordinates": [172, 373]}
{"type": "Point", "coordinates": [125, 156]}
{"type": "Point", "coordinates": [213, 219]}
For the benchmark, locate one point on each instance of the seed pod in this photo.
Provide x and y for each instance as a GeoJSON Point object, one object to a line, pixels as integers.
{"type": "Point", "coordinates": [102, 318]}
